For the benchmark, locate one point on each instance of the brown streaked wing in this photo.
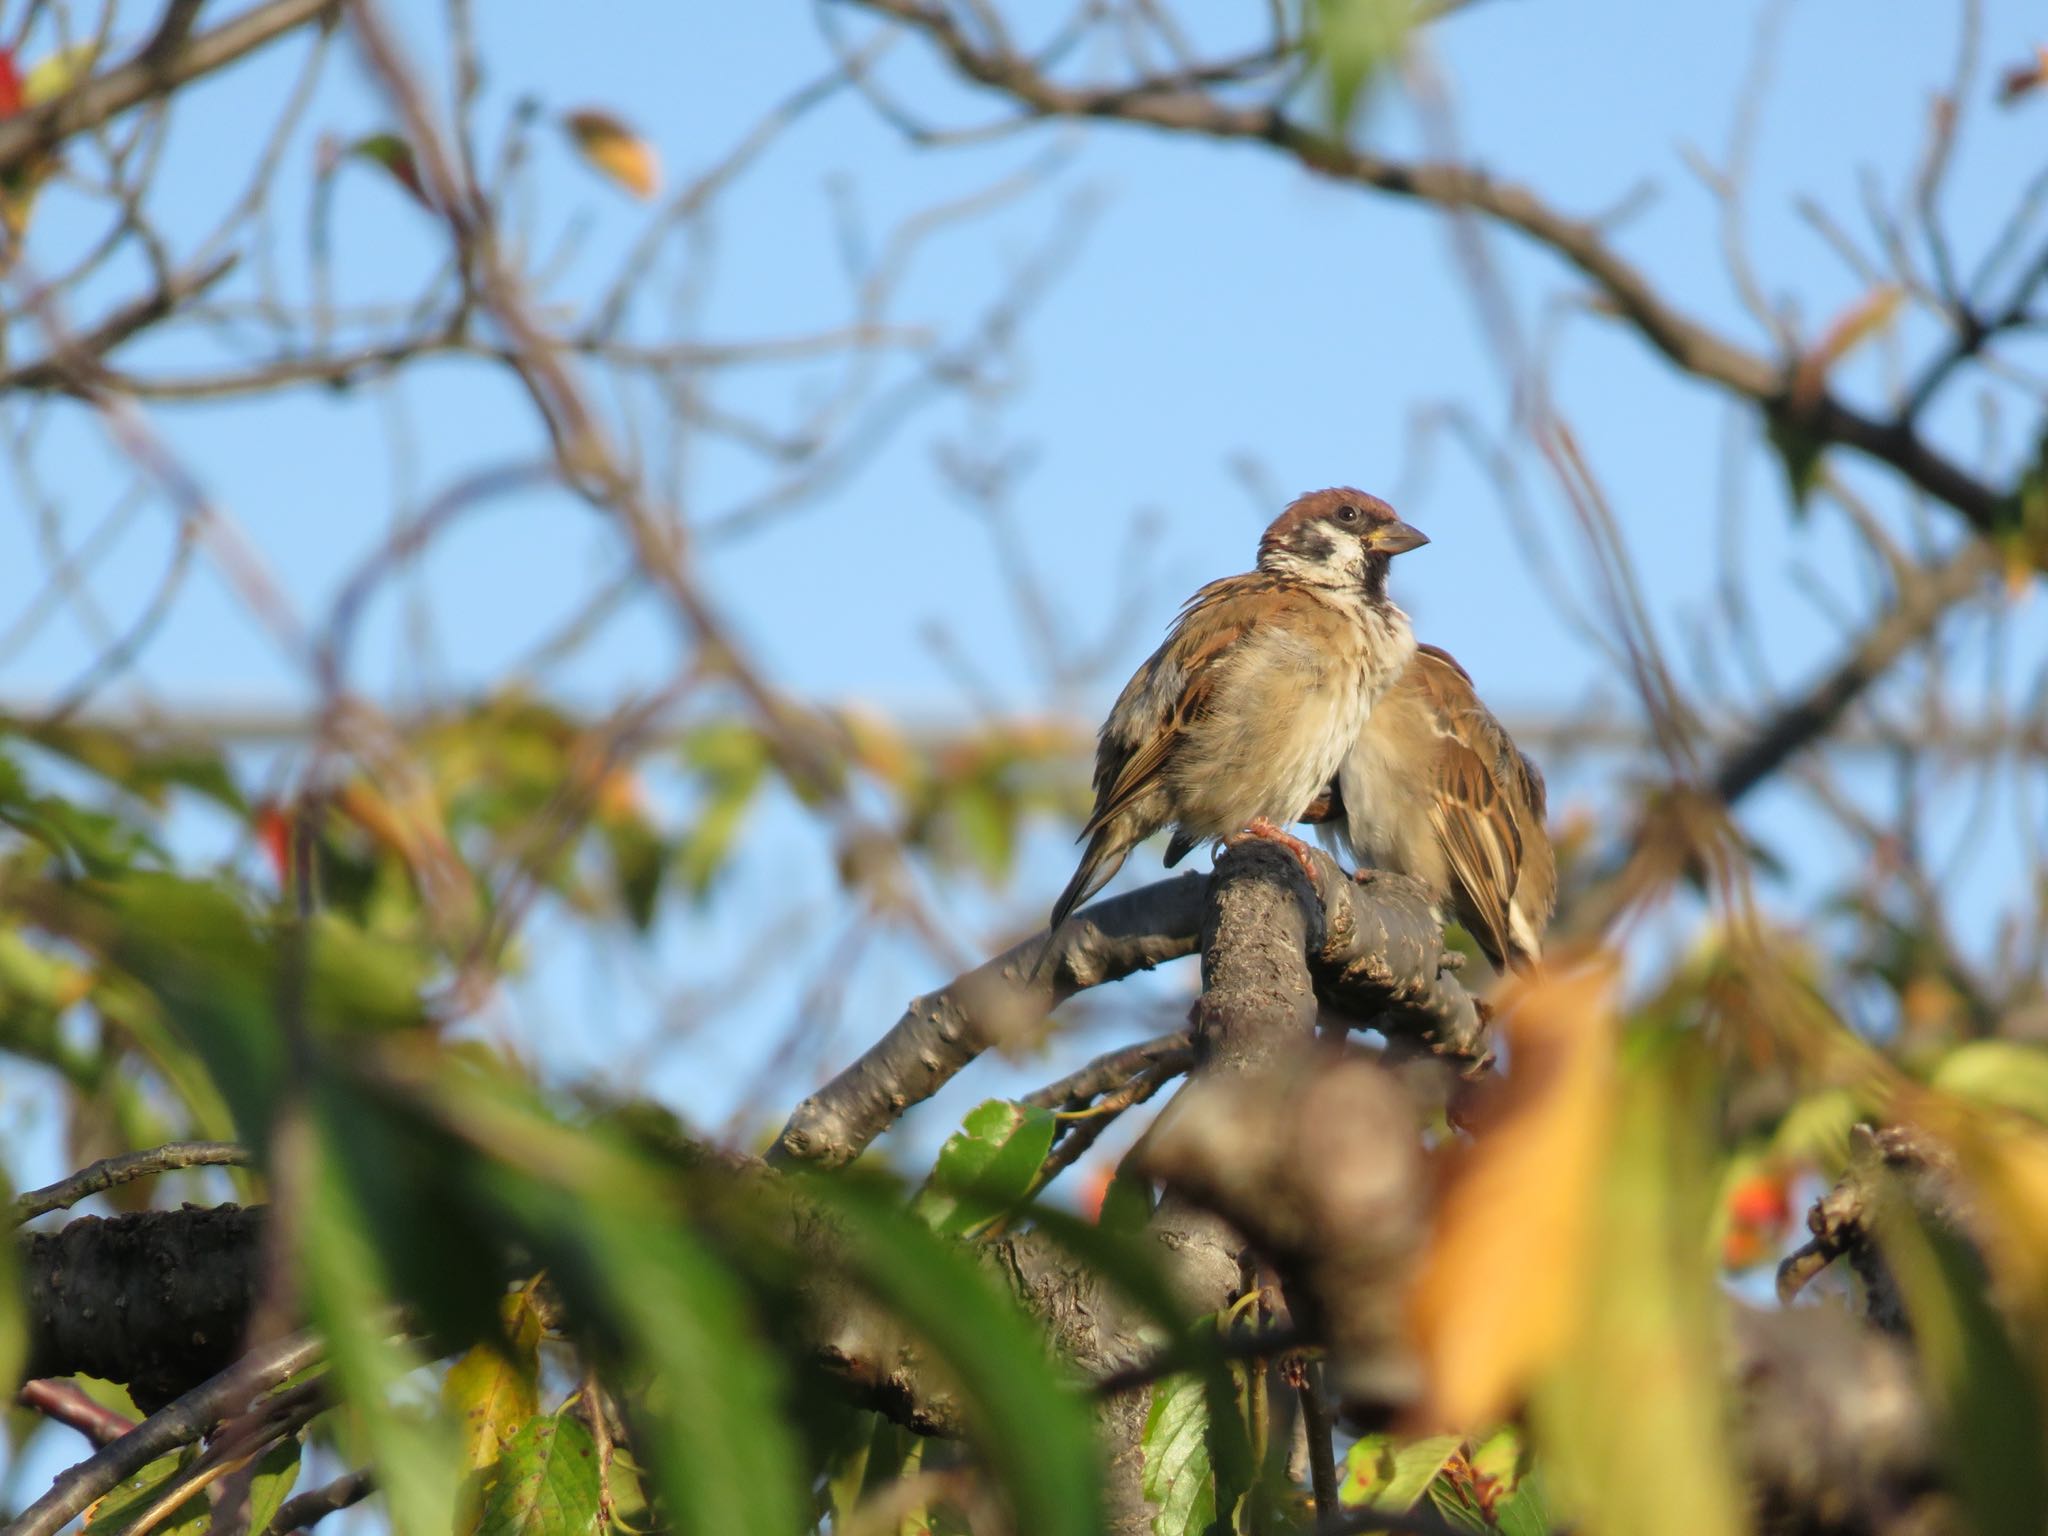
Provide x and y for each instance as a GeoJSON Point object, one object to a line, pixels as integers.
{"type": "Point", "coordinates": [1211, 622]}
{"type": "Point", "coordinates": [1476, 828]}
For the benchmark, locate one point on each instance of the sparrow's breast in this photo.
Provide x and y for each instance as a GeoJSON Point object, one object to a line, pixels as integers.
{"type": "Point", "coordinates": [1290, 709]}
{"type": "Point", "coordinates": [1384, 783]}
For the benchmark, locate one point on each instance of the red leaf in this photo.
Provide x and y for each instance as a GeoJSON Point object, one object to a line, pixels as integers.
{"type": "Point", "coordinates": [10, 84]}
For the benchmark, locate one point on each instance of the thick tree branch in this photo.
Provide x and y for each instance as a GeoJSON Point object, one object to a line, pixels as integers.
{"type": "Point", "coordinates": [156, 1299]}
{"type": "Point", "coordinates": [943, 1031]}
{"type": "Point", "coordinates": [1378, 956]}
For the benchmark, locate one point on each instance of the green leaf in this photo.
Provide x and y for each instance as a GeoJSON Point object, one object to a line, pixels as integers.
{"type": "Point", "coordinates": [1987, 1402]}
{"type": "Point", "coordinates": [639, 858]}
{"type": "Point", "coordinates": [986, 1168]}
{"type": "Point", "coordinates": [1034, 1428]}
{"type": "Point", "coordinates": [1126, 1203]}
{"type": "Point", "coordinates": [1800, 450]}
{"type": "Point", "coordinates": [194, 952]}
{"type": "Point", "coordinates": [1179, 1476]}
{"type": "Point", "coordinates": [1525, 1512]}
{"type": "Point", "coordinates": [729, 793]}
{"type": "Point", "coordinates": [1382, 1473]}
{"type": "Point", "coordinates": [417, 1460]}
{"type": "Point", "coordinates": [1816, 1129]}
{"type": "Point", "coordinates": [143, 768]}
{"type": "Point", "coordinates": [277, 1472]}
{"type": "Point", "coordinates": [1131, 1263]}
{"type": "Point", "coordinates": [1354, 40]}
{"type": "Point", "coordinates": [880, 1454]}
{"type": "Point", "coordinates": [1499, 1455]}
{"type": "Point", "coordinates": [657, 1299]}
{"type": "Point", "coordinates": [1999, 1072]}
{"type": "Point", "coordinates": [546, 1483]}
{"type": "Point", "coordinates": [135, 1497]}
{"type": "Point", "coordinates": [90, 841]}
{"type": "Point", "coordinates": [392, 153]}
{"type": "Point", "coordinates": [987, 820]}
{"type": "Point", "coordinates": [885, 1455]}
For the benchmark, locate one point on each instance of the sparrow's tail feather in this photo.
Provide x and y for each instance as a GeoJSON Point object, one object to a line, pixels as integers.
{"type": "Point", "coordinates": [1099, 864]}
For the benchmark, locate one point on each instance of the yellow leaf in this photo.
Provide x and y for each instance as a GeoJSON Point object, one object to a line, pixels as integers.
{"type": "Point", "coordinates": [52, 77]}
{"type": "Point", "coordinates": [2004, 1161]}
{"type": "Point", "coordinates": [1632, 1416]}
{"type": "Point", "coordinates": [495, 1387]}
{"type": "Point", "coordinates": [1499, 1287]}
{"type": "Point", "coordinates": [616, 150]}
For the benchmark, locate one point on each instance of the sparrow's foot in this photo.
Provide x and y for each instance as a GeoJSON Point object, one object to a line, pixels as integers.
{"type": "Point", "coordinates": [1260, 827]}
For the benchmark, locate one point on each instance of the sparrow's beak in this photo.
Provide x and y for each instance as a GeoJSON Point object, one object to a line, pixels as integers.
{"type": "Point", "coordinates": [1397, 538]}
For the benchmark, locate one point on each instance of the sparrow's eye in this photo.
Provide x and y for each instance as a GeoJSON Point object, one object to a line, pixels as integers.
{"type": "Point", "coordinates": [1347, 513]}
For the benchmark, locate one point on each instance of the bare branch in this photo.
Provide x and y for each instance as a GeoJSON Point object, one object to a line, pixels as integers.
{"type": "Point", "coordinates": [129, 1166]}
{"type": "Point", "coordinates": [63, 1403]}
{"type": "Point", "coordinates": [308, 1509]}
{"type": "Point", "coordinates": [156, 71]}
{"type": "Point", "coordinates": [184, 1421]}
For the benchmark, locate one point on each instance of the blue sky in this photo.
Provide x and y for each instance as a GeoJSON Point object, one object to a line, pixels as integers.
{"type": "Point", "coordinates": [1221, 307]}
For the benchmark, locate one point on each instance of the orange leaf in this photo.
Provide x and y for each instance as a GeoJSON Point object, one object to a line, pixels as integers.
{"type": "Point", "coordinates": [1855, 325]}
{"type": "Point", "coordinates": [274, 832]}
{"type": "Point", "coordinates": [1500, 1284]}
{"type": "Point", "coordinates": [609, 146]}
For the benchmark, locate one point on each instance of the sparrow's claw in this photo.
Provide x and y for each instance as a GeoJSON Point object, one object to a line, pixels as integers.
{"type": "Point", "coordinates": [1260, 827]}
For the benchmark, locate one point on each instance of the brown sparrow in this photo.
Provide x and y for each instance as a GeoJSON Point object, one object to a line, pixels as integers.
{"type": "Point", "coordinates": [1435, 788]}
{"type": "Point", "coordinates": [1241, 717]}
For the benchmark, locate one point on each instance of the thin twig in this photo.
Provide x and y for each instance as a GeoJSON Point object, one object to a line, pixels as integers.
{"type": "Point", "coordinates": [310, 1508]}
{"type": "Point", "coordinates": [67, 1404]}
{"type": "Point", "coordinates": [1322, 1454]}
{"type": "Point", "coordinates": [184, 1421]}
{"type": "Point", "coordinates": [129, 1166]}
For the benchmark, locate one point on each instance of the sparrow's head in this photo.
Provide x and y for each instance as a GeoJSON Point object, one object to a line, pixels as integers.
{"type": "Point", "coordinates": [1337, 538]}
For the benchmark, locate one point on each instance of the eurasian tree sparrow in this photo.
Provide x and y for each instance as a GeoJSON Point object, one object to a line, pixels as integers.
{"type": "Point", "coordinates": [1241, 717]}
{"type": "Point", "coordinates": [1434, 788]}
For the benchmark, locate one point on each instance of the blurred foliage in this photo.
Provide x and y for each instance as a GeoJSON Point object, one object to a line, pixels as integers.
{"type": "Point", "coordinates": [606, 1328]}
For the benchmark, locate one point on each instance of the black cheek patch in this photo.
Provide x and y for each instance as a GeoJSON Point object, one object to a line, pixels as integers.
{"type": "Point", "coordinates": [1315, 548]}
